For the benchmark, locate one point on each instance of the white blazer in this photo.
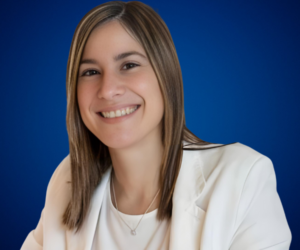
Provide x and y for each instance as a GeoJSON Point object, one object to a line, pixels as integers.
{"type": "Point", "coordinates": [224, 198]}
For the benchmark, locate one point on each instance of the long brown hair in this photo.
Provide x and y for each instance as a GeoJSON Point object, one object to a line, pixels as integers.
{"type": "Point", "coordinates": [89, 157]}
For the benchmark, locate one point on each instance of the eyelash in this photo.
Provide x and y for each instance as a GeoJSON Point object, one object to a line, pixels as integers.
{"type": "Point", "coordinates": [93, 70]}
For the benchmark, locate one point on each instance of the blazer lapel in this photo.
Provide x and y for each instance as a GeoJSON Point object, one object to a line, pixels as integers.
{"type": "Point", "coordinates": [187, 218]}
{"type": "Point", "coordinates": [83, 239]}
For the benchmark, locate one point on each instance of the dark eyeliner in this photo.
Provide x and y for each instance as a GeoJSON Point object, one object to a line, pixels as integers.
{"type": "Point", "coordinates": [135, 65]}
{"type": "Point", "coordinates": [83, 74]}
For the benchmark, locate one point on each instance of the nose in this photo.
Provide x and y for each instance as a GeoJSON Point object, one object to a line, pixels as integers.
{"type": "Point", "coordinates": [110, 86]}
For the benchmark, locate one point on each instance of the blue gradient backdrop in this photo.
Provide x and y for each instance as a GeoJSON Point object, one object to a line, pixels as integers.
{"type": "Point", "coordinates": [240, 64]}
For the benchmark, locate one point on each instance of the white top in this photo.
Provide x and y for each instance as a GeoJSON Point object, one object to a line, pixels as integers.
{"type": "Point", "coordinates": [112, 233]}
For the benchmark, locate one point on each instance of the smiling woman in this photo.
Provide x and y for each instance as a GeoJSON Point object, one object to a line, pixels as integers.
{"type": "Point", "coordinates": [136, 177]}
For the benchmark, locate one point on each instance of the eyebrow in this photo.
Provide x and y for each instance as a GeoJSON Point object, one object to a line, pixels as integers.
{"type": "Point", "coordinates": [116, 58]}
{"type": "Point", "coordinates": [126, 54]}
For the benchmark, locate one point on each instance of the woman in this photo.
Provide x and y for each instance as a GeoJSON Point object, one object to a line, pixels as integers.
{"type": "Point", "coordinates": [136, 177]}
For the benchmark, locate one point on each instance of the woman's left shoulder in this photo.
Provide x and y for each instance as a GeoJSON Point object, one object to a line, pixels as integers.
{"type": "Point", "coordinates": [244, 160]}
{"type": "Point", "coordinates": [234, 159]}
{"type": "Point", "coordinates": [240, 153]}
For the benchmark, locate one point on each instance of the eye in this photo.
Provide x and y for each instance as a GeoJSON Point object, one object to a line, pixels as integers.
{"type": "Point", "coordinates": [90, 72]}
{"type": "Point", "coordinates": [130, 65]}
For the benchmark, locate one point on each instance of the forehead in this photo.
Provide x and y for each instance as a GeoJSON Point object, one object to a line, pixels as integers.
{"type": "Point", "coordinates": [110, 38]}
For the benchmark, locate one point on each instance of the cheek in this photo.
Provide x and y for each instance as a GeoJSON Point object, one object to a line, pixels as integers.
{"type": "Point", "coordinates": [155, 98]}
{"type": "Point", "coordinates": [154, 103]}
{"type": "Point", "coordinates": [147, 86]}
{"type": "Point", "coordinates": [158, 104]}
{"type": "Point", "coordinates": [83, 99]}
{"type": "Point", "coordinates": [80, 98]}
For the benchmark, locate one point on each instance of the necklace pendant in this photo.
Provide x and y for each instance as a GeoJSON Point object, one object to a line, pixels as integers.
{"type": "Point", "coordinates": [133, 232]}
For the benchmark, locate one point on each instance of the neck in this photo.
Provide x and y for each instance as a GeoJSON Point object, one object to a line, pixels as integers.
{"type": "Point", "coordinates": [136, 175]}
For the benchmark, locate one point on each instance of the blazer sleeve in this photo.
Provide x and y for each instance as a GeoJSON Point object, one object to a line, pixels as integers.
{"type": "Point", "coordinates": [260, 222]}
{"type": "Point", "coordinates": [34, 240]}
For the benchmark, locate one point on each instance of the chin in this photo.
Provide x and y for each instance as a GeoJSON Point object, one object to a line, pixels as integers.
{"type": "Point", "coordinates": [118, 142]}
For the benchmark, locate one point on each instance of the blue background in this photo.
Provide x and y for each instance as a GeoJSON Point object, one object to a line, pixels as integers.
{"type": "Point", "coordinates": [240, 64]}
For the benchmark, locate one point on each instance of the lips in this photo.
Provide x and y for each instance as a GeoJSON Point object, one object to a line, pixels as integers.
{"type": "Point", "coordinates": [116, 120]}
{"type": "Point", "coordinates": [119, 112]}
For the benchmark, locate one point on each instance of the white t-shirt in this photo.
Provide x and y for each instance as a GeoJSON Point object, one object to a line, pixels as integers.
{"type": "Point", "coordinates": [113, 234]}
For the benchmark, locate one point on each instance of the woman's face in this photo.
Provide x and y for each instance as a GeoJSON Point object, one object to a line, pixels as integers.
{"type": "Point", "coordinates": [118, 93]}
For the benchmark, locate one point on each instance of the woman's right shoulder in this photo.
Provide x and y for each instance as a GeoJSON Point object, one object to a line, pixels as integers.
{"type": "Point", "coordinates": [63, 170]}
{"type": "Point", "coordinates": [59, 186]}
{"type": "Point", "coordinates": [57, 198]}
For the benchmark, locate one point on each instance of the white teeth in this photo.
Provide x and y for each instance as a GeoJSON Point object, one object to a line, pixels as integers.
{"type": "Point", "coordinates": [118, 113]}
{"type": "Point", "coordinates": [112, 114]}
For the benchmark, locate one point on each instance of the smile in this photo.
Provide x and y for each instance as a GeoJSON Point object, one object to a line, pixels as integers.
{"type": "Point", "coordinates": [119, 112]}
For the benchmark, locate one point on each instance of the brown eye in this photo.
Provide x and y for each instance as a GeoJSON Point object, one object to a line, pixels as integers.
{"type": "Point", "coordinates": [90, 72]}
{"type": "Point", "coordinates": [130, 65]}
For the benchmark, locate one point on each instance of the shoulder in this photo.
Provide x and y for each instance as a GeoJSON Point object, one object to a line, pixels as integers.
{"type": "Point", "coordinates": [61, 174]}
{"type": "Point", "coordinates": [239, 196]}
{"type": "Point", "coordinates": [59, 187]}
{"type": "Point", "coordinates": [233, 160]}
{"type": "Point", "coordinates": [243, 162]}
{"type": "Point", "coordinates": [57, 198]}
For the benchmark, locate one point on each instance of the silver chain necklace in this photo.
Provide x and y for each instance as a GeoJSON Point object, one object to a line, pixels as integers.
{"type": "Point", "coordinates": [133, 231]}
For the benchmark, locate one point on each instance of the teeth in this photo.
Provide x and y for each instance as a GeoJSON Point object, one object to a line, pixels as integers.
{"type": "Point", "coordinates": [118, 113]}
{"type": "Point", "coordinates": [112, 114]}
